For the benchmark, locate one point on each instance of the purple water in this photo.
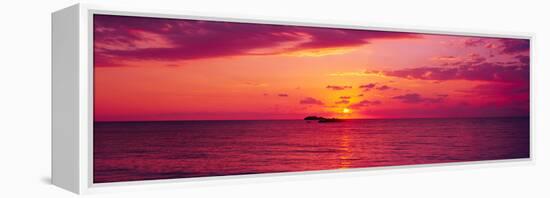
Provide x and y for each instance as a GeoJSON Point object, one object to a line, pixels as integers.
{"type": "Point", "coordinates": [130, 151]}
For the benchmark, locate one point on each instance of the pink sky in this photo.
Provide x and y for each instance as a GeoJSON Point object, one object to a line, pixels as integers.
{"type": "Point", "coordinates": [173, 69]}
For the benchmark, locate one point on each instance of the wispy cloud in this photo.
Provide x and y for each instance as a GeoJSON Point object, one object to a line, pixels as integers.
{"type": "Point", "coordinates": [476, 68]}
{"type": "Point", "coordinates": [282, 95]}
{"type": "Point", "coordinates": [311, 101]}
{"type": "Point", "coordinates": [417, 98]}
{"type": "Point", "coordinates": [342, 102]}
{"type": "Point", "coordinates": [337, 87]}
{"type": "Point", "coordinates": [370, 86]}
{"type": "Point", "coordinates": [366, 103]}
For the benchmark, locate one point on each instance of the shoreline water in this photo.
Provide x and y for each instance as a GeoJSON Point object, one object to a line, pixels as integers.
{"type": "Point", "coordinates": [129, 151]}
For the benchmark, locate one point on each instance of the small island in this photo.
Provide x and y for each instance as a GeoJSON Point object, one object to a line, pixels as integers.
{"type": "Point", "coordinates": [322, 119]}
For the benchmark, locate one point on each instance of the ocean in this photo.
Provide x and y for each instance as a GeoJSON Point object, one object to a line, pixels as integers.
{"type": "Point", "coordinates": [131, 151]}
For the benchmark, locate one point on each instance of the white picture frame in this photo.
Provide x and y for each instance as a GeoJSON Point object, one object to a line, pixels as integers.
{"type": "Point", "coordinates": [72, 101]}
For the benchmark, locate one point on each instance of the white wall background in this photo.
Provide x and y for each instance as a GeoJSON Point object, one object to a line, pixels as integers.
{"type": "Point", "coordinates": [25, 97]}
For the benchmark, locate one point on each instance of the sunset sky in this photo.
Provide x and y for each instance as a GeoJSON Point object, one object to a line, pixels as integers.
{"type": "Point", "coordinates": [173, 69]}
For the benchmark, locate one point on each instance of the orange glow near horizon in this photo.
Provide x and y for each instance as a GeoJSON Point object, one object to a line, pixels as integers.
{"type": "Point", "coordinates": [164, 69]}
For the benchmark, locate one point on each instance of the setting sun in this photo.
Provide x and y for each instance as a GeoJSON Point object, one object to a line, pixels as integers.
{"type": "Point", "coordinates": [346, 110]}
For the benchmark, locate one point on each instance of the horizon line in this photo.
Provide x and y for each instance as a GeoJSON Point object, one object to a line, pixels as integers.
{"type": "Point", "coordinates": [404, 118]}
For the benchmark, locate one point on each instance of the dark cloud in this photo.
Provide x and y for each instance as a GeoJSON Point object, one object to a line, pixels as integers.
{"type": "Point", "coordinates": [484, 71]}
{"type": "Point", "coordinates": [337, 88]}
{"type": "Point", "coordinates": [514, 46]}
{"type": "Point", "coordinates": [311, 101]}
{"type": "Point", "coordinates": [121, 38]}
{"type": "Point", "coordinates": [523, 59]}
{"type": "Point", "coordinates": [370, 86]}
{"type": "Point", "coordinates": [384, 87]}
{"type": "Point", "coordinates": [505, 45]}
{"type": "Point", "coordinates": [345, 97]}
{"type": "Point", "coordinates": [417, 98]}
{"type": "Point", "coordinates": [283, 95]}
{"type": "Point", "coordinates": [367, 87]}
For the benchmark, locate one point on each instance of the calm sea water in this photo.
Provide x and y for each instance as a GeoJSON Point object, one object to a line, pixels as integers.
{"type": "Point", "coordinates": [129, 151]}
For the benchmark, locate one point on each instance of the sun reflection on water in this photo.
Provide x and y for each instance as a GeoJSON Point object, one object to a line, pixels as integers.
{"type": "Point", "coordinates": [346, 152]}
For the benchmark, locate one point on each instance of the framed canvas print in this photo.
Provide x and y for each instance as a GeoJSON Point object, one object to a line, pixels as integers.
{"type": "Point", "coordinates": [150, 97]}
